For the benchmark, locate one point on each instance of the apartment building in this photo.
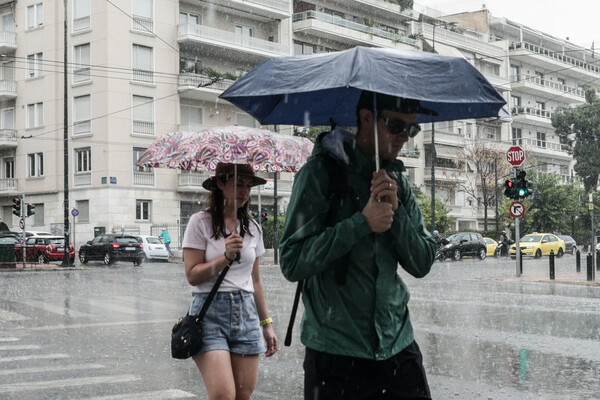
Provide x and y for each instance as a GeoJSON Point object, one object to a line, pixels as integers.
{"type": "Point", "coordinates": [136, 69]}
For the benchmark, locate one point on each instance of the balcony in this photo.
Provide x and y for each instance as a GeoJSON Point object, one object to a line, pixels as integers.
{"type": "Point", "coordinates": [193, 127]}
{"type": "Point", "coordinates": [539, 55]}
{"type": "Point", "coordinates": [530, 114]}
{"type": "Point", "coordinates": [142, 24]}
{"type": "Point", "coordinates": [458, 40]}
{"type": "Point", "coordinates": [8, 42]}
{"type": "Point", "coordinates": [330, 27]}
{"type": "Point", "coordinates": [546, 89]}
{"type": "Point", "coordinates": [543, 148]}
{"type": "Point", "coordinates": [8, 185]}
{"type": "Point", "coordinates": [141, 75]}
{"type": "Point", "coordinates": [8, 90]}
{"type": "Point", "coordinates": [381, 7]}
{"type": "Point", "coordinates": [275, 9]}
{"type": "Point", "coordinates": [201, 86]}
{"type": "Point", "coordinates": [225, 41]}
{"type": "Point", "coordinates": [410, 158]}
{"type": "Point", "coordinates": [8, 138]}
{"type": "Point", "coordinates": [188, 181]}
{"type": "Point", "coordinates": [144, 128]}
{"type": "Point", "coordinates": [82, 179]}
{"type": "Point", "coordinates": [143, 178]}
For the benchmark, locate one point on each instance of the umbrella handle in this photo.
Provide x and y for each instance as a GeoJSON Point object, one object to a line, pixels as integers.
{"type": "Point", "coordinates": [376, 133]}
{"type": "Point", "coordinates": [235, 211]}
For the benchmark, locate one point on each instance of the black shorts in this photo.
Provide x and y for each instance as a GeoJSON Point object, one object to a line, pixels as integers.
{"type": "Point", "coordinates": [333, 377]}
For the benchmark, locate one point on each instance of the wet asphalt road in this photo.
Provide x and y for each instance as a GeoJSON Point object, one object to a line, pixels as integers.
{"type": "Point", "coordinates": [103, 333]}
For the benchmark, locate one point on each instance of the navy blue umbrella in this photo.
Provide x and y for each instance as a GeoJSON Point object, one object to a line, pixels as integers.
{"type": "Point", "coordinates": [323, 89]}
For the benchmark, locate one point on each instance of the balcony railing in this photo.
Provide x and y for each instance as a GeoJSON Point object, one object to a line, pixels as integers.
{"type": "Point", "coordinates": [410, 153]}
{"type": "Point", "coordinates": [143, 178]}
{"type": "Point", "coordinates": [554, 55]}
{"type": "Point", "coordinates": [81, 23]}
{"type": "Point", "coordinates": [142, 75]}
{"type": "Point", "coordinates": [539, 81]}
{"type": "Point", "coordinates": [204, 81]}
{"type": "Point", "coordinates": [8, 135]}
{"type": "Point", "coordinates": [281, 5]}
{"type": "Point", "coordinates": [8, 38]}
{"type": "Point", "coordinates": [142, 24]}
{"type": "Point", "coordinates": [81, 75]}
{"type": "Point", "coordinates": [232, 39]}
{"type": "Point", "coordinates": [8, 184]}
{"type": "Point", "coordinates": [192, 179]}
{"type": "Point", "coordinates": [536, 112]}
{"type": "Point", "coordinates": [81, 127]}
{"type": "Point", "coordinates": [8, 86]}
{"type": "Point", "coordinates": [540, 144]}
{"type": "Point", "coordinates": [338, 21]}
{"type": "Point", "coordinates": [143, 128]}
{"type": "Point", "coordinates": [82, 179]}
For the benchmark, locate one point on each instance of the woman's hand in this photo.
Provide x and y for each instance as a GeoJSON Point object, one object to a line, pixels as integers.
{"type": "Point", "coordinates": [270, 339]}
{"type": "Point", "coordinates": [233, 245]}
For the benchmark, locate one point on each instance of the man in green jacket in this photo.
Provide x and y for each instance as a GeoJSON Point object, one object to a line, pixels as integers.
{"type": "Point", "coordinates": [347, 229]}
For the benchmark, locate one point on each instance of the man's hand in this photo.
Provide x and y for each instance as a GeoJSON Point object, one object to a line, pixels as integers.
{"type": "Point", "coordinates": [384, 188]}
{"type": "Point", "coordinates": [379, 214]}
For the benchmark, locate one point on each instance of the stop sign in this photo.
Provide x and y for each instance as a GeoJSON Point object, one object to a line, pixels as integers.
{"type": "Point", "coordinates": [515, 156]}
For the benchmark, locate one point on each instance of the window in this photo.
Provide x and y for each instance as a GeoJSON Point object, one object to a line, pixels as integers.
{"type": "Point", "coordinates": [192, 117]}
{"type": "Point", "coordinates": [35, 115]}
{"type": "Point", "coordinates": [81, 63]}
{"type": "Point", "coordinates": [561, 82]}
{"type": "Point", "coordinates": [514, 73]}
{"type": "Point", "coordinates": [81, 15]}
{"type": "Point", "coordinates": [8, 168]}
{"type": "Point", "coordinates": [190, 64]}
{"type": "Point", "coordinates": [137, 153]}
{"type": "Point", "coordinates": [82, 114]}
{"type": "Point", "coordinates": [7, 120]}
{"type": "Point", "coordinates": [187, 18]}
{"type": "Point", "coordinates": [83, 206]}
{"type": "Point", "coordinates": [539, 78]}
{"type": "Point", "coordinates": [35, 165]}
{"type": "Point", "coordinates": [142, 64]}
{"type": "Point", "coordinates": [8, 23]}
{"type": "Point", "coordinates": [245, 31]}
{"type": "Point", "coordinates": [517, 136]}
{"type": "Point", "coordinates": [35, 15]}
{"type": "Point", "coordinates": [245, 120]}
{"type": "Point", "coordinates": [490, 133]}
{"type": "Point", "coordinates": [142, 210]}
{"type": "Point", "coordinates": [515, 101]}
{"type": "Point", "coordinates": [83, 160]}
{"type": "Point", "coordinates": [540, 106]}
{"type": "Point", "coordinates": [38, 217]}
{"type": "Point", "coordinates": [143, 115]}
{"type": "Point", "coordinates": [34, 65]}
{"type": "Point", "coordinates": [7, 72]}
{"type": "Point", "coordinates": [303, 48]}
{"type": "Point", "coordinates": [142, 15]}
{"type": "Point", "coordinates": [541, 139]}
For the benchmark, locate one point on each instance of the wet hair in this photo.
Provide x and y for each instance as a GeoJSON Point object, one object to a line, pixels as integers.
{"type": "Point", "coordinates": [216, 206]}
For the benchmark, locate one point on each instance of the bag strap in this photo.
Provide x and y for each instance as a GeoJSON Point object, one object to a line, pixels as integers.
{"type": "Point", "coordinates": [214, 289]}
{"type": "Point", "coordinates": [288, 335]}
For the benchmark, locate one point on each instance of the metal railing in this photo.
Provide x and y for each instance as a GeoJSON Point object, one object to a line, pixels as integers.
{"type": "Point", "coordinates": [143, 178]}
{"type": "Point", "coordinates": [80, 127]}
{"type": "Point", "coordinates": [201, 81]}
{"type": "Point", "coordinates": [143, 128]}
{"type": "Point", "coordinates": [8, 37]}
{"type": "Point", "coordinates": [81, 74]}
{"type": "Point", "coordinates": [281, 5]}
{"type": "Point", "coordinates": [539, 81]}
{"type": "Point", "coordinates": [554, 55]}
{"type": "Point", "coordinates": [193, 179]}
{"type": "Point", "coordinates": [231, 38]}
{"type": "Point", "coordinates": [142, 75]}
{"type": "Point", "coordinates": [8, 135]}
{"type": "Point", "coordinates": [338, 21]}
{"type": "Point", "coordinates": [536, 112]}
{"type": "Point", "coordinates": [142, 24]}
{"type": "Point", "coordinates": [541, 144]}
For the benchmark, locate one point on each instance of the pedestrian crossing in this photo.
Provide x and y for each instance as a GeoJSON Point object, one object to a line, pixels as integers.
{"type": "Point", "coordinates": [32, 368]}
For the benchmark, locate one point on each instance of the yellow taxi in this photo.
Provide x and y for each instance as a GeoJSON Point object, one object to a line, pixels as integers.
{"type": "Point", "coordinates": [490, 246]}
{"type": "Point", "coordinates": [539, 244]}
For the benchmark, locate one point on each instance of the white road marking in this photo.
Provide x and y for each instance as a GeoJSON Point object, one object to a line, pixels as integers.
{"type": "Point", "coordinates": [11, 316]}
{"type": "Point", "coordinates": [9, 339]}
{"type": "Point", "coordinates": [19, 347]}
{"type": "Point", "coordinates": [53, 368]}
{"type": "Point", "coordinates": [33, 357]}
{"type": "Point", "coordinates": [156, 395]}
{"type": "Point", "coordinates": [51, 308]}
{"type": "Point", "coordinates": [103, 324]}
{"type": "Point", "coordinates": [63, 383]}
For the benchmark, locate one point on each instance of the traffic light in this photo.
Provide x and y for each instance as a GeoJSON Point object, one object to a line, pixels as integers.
{"type": "Point", "coordinates": [509, 189]}
{"type": "Point", "coordinates": [30, 209]}
{"type": "Point", "coordinates": [523, 185]}
{"type": "Point", "coordinates": [17, 206]}
{"type": "Point", "coordinates": [262, 218]}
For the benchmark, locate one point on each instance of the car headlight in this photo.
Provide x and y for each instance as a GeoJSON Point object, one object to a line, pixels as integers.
{"type": "Point", "coordinates": [448, 246]}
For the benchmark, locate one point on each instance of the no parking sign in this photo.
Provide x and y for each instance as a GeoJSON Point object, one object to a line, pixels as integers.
{"type": "Point", "coordinates": [74, 212]}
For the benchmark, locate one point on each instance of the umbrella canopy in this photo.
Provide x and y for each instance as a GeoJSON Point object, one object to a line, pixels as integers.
{"type": "Point", "coordinates": [322, 89]}
{"type": "Point", "coordinates": [196, 151]}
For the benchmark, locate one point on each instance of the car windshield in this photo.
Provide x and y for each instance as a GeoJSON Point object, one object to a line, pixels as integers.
{"type": "Point", "coordinates": [56, 241]}
{"type": "Point", "coordinates": [9, 240]}
{"type": "Point", "coordinates": [531, 238]}
{"type": "Point", "coordinates": [126, 240]}
{"type": "Point", "coordinates": [454, 238]}
{"type": "Point", "coordinates": [153, 240]}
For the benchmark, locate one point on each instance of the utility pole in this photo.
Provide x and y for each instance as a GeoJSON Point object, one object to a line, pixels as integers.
{"type": "Point", "coordinates": [66, 259]}
{"type": "Point", "coordinates": [591, 207]}
{"type": "Point", "coordinates": [496, 187]}
{"type": "Point", "coordinates": [433, 157]}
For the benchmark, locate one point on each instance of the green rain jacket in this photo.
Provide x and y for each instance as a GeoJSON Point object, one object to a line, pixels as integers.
{"type": "Point", "coordinates": [367, 316]}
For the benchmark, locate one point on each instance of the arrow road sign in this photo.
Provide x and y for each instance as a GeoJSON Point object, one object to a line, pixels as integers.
{"type": "Point", "coordinates": [517, 209]}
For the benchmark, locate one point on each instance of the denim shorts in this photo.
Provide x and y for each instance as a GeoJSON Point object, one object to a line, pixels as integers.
{"type": "Point", "coordinates": [231, 323]}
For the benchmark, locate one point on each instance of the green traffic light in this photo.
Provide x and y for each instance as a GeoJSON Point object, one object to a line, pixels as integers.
{"type": "Point", "coordinates": [523, 192]}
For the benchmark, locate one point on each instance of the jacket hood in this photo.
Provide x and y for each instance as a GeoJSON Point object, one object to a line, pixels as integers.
{"type": "Point", "coordinates": [332, 143]}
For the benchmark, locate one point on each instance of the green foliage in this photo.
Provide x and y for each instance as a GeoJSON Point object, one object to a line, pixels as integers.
{"type": "Point", "coordinates": [310, 133]}
{"type": "Point", "coordinates": [404, 4]}
{"type": "Point", "coordinates": [268, 230]}
{"type": "Point", "coordinates": [443, 222]}
{"type": "Point", "coordinates": [579, 128]}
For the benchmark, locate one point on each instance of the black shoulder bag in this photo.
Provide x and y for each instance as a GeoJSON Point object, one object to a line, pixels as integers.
{"type": "Point", "coordinates": [186, 335]}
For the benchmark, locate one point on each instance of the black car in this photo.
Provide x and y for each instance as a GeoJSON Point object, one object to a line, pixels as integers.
{"type": "Point", "coordinates": [112, 247]}
{"type": "Point", "coordinates": [463, 244]}
{"type": "Point", "coordinates": [570, 244]}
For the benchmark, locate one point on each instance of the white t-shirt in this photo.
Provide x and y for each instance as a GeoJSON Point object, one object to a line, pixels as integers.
{"type": "Point", "coordinates": [198, 235]}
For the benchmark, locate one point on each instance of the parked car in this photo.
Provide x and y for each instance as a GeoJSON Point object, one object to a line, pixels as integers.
{"type": "Point", "coordinates": [570, 244]}
{"type": "Point", "coordinates": [29, 234]}
{"type": "Point", "coordinates": [43, 249]}
{"type": "Point", "coordinates": [539, 244]}
{"type": "Point", "coordinates": [110, 248]}
{"type": "Point", "coordinates": [464, 244]}
{"type": "Point", "coordinates": [154, 248]}
{"type": "Point", "coordinates": [490, 246]}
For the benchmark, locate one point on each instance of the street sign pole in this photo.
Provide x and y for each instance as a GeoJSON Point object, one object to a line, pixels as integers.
{"type": "Point", "coordinates": [518, 248]}
{"type": "Point", "coordinates": [515, 156]}
{"type": "Point", "coordinates": [23, 215]}
{"type": "Point", "coordinates": [591, 206]}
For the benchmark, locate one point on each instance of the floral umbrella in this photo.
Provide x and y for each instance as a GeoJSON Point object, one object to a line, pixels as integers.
{"type": "Point", "coordinates": [197, 151]}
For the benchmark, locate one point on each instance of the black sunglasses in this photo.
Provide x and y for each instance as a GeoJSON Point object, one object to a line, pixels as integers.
{"type": "Point", "coordinates": [396, 126]}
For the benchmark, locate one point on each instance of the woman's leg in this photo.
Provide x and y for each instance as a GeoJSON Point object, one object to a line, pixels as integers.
{"type": "Point", "coordinates": [245, 374]}
{"type": "Point", "coordinates": [216, 369]}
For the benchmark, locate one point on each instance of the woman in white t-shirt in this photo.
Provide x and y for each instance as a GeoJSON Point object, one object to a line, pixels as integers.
{"type": "Point", "coordinates": [237, 324]}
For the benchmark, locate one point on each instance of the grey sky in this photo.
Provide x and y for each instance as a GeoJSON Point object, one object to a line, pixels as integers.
{"type": "Point", "coordinates": [576, 19]}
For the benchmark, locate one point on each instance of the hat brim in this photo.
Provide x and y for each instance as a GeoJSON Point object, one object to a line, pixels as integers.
{"type": "Point", "coordinates": [210, 184]}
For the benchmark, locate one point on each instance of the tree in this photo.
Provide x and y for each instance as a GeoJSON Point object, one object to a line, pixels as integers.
{"type": "Point", "coordinates": [404, 4]}
{"type": "Point", "coordinates": [486, 162]}
{"type": "Point", "coordinates": [579, 128]}
{"type": "Point", "coordinates": [310, 133]}
{"type": "Point", "coordinates": [443, 222]}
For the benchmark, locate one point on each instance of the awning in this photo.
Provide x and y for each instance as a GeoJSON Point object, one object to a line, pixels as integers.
{"type": "Point", "coordinates": [446, 151]}
{"type": "Point", "coordinates": [446, 50]}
